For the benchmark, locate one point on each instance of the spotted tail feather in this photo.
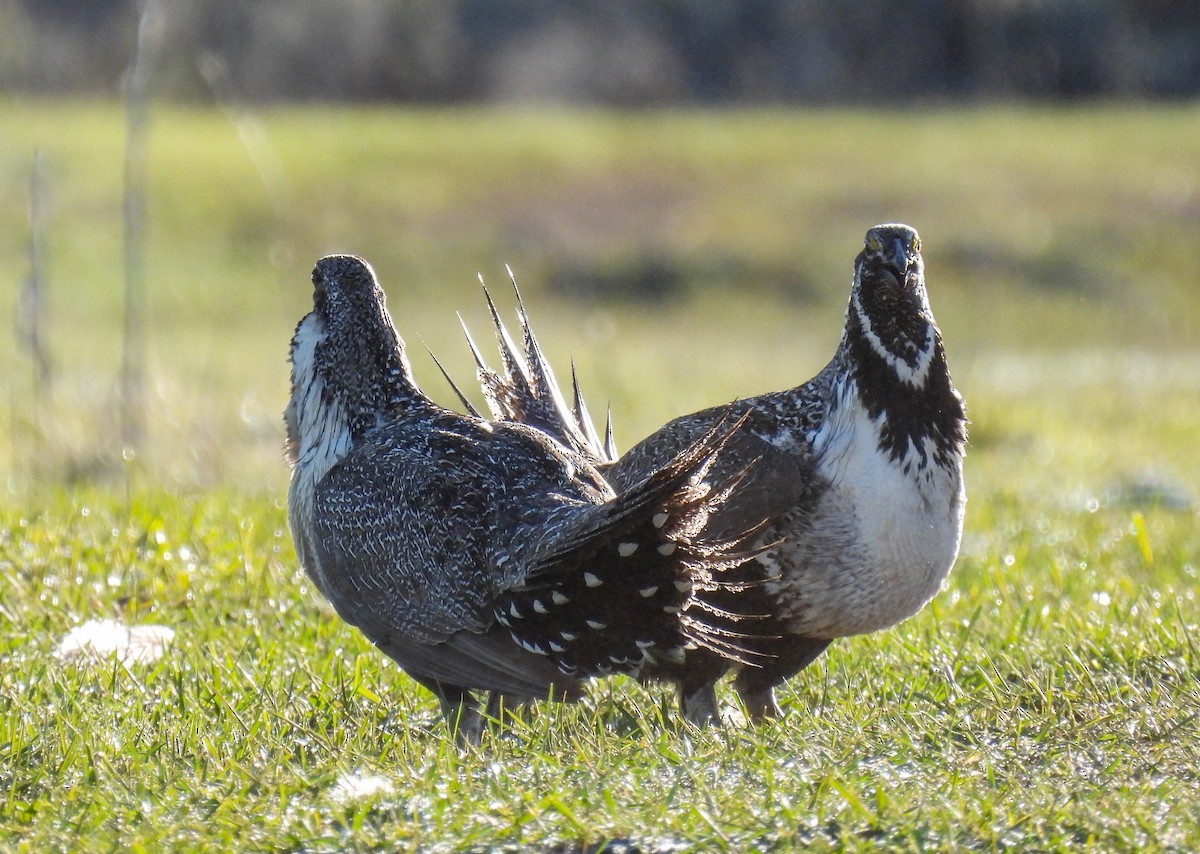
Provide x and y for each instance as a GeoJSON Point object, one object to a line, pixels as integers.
{"type": "Point", "coordinates": [626, 587]}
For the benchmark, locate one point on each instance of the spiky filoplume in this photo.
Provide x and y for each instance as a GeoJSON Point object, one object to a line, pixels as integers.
{"type": "Point", "coordinates": [481, 555]}
{"type": "Point", "coordinates": [858, 476]}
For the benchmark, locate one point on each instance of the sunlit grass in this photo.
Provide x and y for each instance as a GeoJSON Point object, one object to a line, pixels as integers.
{"type": "Point", "coordinates": [1049, 698]}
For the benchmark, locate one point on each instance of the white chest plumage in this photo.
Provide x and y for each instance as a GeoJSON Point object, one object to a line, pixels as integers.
{"type": "Point", "coordinates": [322, 435]}
{"type": "Point", "coordinates": [882, 537]}
{"type": "Point", "coordinates": [320, 426]}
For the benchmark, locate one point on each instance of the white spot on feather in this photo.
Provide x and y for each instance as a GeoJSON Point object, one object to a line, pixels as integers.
{"type": "Point", "coordinates": [529, 647]}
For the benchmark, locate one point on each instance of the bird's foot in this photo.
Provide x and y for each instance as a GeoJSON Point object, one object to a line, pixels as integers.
{"type": "Point", "coordinates": [760, 705]}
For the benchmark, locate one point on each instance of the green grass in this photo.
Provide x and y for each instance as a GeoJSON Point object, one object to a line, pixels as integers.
{"type": "Point", "coordinates": [1049, 698]}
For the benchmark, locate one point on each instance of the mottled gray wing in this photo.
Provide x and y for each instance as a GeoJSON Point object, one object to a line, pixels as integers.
{"type": "Point", "coordinates": [771, 479]}
{"type": "Point", "coordinates": [397, 540]}
{"type": "Point", "coordinates": [403, 541]}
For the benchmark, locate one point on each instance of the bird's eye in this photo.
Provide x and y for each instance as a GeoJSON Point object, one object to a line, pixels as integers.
{"type": "Point", "coordinates": [916, 244]}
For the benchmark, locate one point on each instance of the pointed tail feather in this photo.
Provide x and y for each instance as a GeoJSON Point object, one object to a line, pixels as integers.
{"type": "Point", "coordinates": [462, 398]}
{"type": "Point", "coordinates": [605, 451]}
{"type": "Point", "coordinates": [544, 388]}
{"type": "Point", "coordinates": [610, 443]}
{"type": "Point", "coordinates": [526, 391]}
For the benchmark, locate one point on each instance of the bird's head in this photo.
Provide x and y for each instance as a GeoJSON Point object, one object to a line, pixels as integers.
{"type": "Point", "coordinates": [893, 250]}
{"type": "Point", "coordinates": [348, 301]}
{"type": "Point", "coordinates": [888, 304]}
{"type": "Point", "coordinates": [346, 354]}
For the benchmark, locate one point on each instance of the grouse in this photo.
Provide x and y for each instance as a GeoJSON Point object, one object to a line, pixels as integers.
{"type": "Point", "coordinates": [484, 556]}
{"type": "Point", "coordinates": [858, 475]}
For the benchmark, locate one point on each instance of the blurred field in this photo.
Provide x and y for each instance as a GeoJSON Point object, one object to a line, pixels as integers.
{"type": "Point", "coordinates": [1045, 233]}
{"type": "Point", "coordinates": [1048, 699]}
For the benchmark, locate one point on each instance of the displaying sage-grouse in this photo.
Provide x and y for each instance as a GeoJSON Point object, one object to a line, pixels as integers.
{"type": "Point", "coordinates": [483, 556]}
{"type": "Point", "coordinates": [858, 475]}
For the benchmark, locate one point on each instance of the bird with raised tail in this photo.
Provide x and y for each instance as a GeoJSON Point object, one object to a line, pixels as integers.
{"type": "Point", "coordinates": [484, 556]}
{"type": "Point", "coordinates": [858, 475]}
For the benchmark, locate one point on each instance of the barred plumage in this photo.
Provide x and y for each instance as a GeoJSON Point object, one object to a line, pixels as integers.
{"type": "Point", "coordinates": [858, 476]}
{"type": "Point", "coordinates": [462, 547]}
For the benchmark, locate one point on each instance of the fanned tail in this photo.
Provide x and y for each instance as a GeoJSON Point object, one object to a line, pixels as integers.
{"type": "Point", "coordinates": [628, 583]}
{"type": "Point", "coordinates": [526, 391]}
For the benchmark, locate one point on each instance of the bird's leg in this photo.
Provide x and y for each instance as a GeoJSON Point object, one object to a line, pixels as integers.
{"type": "Point", "coordinates": [496, 705]}
{"type": "Point", "coordinates": [460, 710]}
{"type": "Point", "coordinates": [699, 702]}
{"type": "Point", "coordinates": [759, 703]}
{"type": "Point", "coordinates": [755, 686]}
{"type": "Point", "coordinates": [463, 718]}
{"type": "Point", "coordinates": [501, 707]}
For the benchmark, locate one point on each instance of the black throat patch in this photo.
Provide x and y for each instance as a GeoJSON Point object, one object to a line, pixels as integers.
{"type": "Point", "coordinates": [931, 409]}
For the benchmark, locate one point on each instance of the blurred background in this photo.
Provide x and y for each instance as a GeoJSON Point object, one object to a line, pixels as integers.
{"type": "Point", "coordinates": [679, 186]}
{"type": "Point", "coordinates": [619, 52]}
